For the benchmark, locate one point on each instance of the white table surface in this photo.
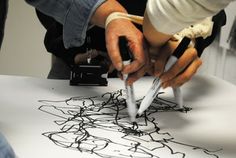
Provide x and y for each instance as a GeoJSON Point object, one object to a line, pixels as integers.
{"type": "Point", "coordinates": [210, 124]}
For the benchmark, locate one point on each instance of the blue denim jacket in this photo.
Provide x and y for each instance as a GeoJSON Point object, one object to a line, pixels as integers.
{"type": "Point", "coordinates": [73, 14]}
{"type": "Point", "coordinates": [5, 149]}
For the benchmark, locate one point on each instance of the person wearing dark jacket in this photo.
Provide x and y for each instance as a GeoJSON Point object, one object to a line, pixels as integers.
{"type": "Point", "coordinates": [95, 40]}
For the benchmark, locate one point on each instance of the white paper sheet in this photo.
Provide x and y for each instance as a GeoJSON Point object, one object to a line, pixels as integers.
{"type": "Point", "coordinates": [50, 119]}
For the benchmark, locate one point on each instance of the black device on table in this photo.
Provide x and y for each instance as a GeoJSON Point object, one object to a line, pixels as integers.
{"type": "Point", "coordinates": [89, 74]}
{"type": "Point", "coordinates": [93, 72]}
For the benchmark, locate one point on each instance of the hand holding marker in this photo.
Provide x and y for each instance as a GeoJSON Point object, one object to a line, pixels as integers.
{"type": "Point", "coordinates": [203, 29]}
{"type": "Point", "coordinates": [153, 91]}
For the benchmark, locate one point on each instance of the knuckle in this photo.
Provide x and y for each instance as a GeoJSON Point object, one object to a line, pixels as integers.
{"type": "Point", "coordinates": [140, 36]}
{"type": "Point", "coordinates": [170, 75]}
{"type": "Point", "coordinates": [176, 67]}
{"type": "Point", "coordinates": [140, 62]}
{"type": "Point", "coordinates": [186, 77]}
{"type": "Point", "coordinates": [199, 62]}
{"type": "Point", "coordinates": [193, 52]}
{"type": "Point", "coordinates": [158, 72]}
{"type": "Point", "coordinates": [194, 72]}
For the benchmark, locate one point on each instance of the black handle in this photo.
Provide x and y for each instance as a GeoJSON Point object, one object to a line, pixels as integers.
{"type": "Point", "coordinates": [124, 50]}
{"type": "Point", "coordinates": [183, 45]}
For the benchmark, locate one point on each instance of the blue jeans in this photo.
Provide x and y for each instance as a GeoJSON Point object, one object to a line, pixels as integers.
{"type": "Point", "coordinates": [5, 149]}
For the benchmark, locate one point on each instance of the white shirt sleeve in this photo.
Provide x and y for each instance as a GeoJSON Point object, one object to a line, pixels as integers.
{"type": "Point", "coordinates": [171, 16]}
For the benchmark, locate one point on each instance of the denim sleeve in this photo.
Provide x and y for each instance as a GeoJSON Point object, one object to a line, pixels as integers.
{"type": "Point", "coordinates": [74, 15]}
{"type": "Point", "coordinates": [5, 149]}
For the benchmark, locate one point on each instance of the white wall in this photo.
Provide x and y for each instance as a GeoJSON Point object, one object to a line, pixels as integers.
{"type": "Point", "coordinates": [216, 61]}
{"type": "Point", "coordinates": [213, 63]}
{"type": "Point", "coordinates": [22, 51]}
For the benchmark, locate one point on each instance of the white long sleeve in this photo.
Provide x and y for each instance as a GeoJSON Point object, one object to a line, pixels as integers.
{"type": "Point", "coordinates": [171, 16]}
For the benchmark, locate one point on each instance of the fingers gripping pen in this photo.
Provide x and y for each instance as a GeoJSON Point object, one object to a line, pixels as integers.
{"type": "Point", "coordinates": [153, 91]}
{"type": "Point", "coordinates": [130, 99]}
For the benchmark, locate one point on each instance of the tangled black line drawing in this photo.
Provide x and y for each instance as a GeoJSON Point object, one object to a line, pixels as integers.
{"type": "Point", "coordinates": [100, 126]}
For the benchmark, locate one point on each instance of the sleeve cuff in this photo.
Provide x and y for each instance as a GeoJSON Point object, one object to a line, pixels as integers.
{"type": "Point", "coordinates": [77, 21]}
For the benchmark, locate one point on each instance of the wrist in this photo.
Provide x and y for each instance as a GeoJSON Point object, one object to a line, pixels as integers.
{"type": "Point", "coordinates": [153, 36]}
{"type": "Point", "coordinates": [121, 15]}
{"type": "Point", "coordinates": [104, 10]}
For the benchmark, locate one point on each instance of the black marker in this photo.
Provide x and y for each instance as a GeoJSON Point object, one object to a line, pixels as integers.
{"type": "Point", "coordinates": [153, 91]}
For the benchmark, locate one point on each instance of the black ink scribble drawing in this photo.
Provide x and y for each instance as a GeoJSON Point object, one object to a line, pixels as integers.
{"type": "Point", "coordinates": [100, 126]}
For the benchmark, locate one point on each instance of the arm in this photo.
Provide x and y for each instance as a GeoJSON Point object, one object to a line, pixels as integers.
{"type": "Point", "coordinates": [151, 33]}
{"type": "Point", "coordinates": [171, 16]}
{"type": "Point", "coordinates": [162, 19]}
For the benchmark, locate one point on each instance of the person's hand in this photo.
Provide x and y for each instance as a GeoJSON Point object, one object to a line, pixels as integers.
{"type": "Point", "coordinates": [83, 57]}
{"type": "Point", "coordinates": [136, 43]}
{"type": "Point", "coordinates": [122, 27]}
{"type": "Point", "coordinates": [181, 72]}
{"type": "Point", "coordinates": [93, 53]}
